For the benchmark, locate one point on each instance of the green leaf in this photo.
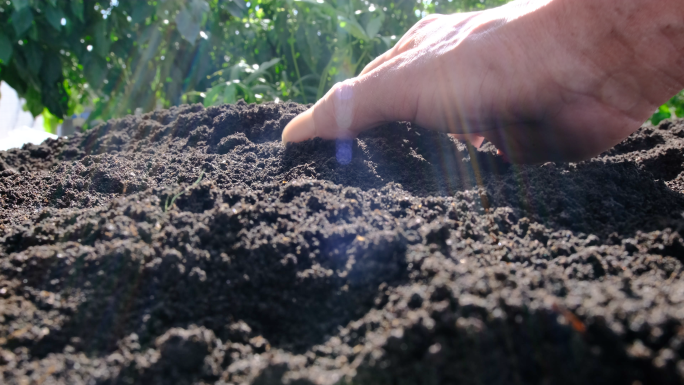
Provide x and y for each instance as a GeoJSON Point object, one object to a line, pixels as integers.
{"type": "Point", "coordinates": [51, 71]}
{"type": "Point", "coordinates": [56, 99]}
{"type": "Point", "coordinates": [374, 25]}
{"type": "Point", "coordinates": [353, 27]}
{"type": "Point", "coordinates": [266, 89]}
{"type": "Point", "coordinates": [33, 33]}
{"type": "Point", "coordinates": [166, 8]}
{"type": "Point", "coordinates": [313, 43]}
{"type": "Point", "coordinates": [77, 8]}
{"type": "Point", "coordinates": [189, 20]}
{"type": "Point", "coordinates": [22, 20]}
{"type": "Point", "coordinates": [212, 95]}
{"type": "Point", "coordinates": [387, 40]}
{"type": "Point", "coordinates": [248, 93]}
{"type": "Point", "coordinates": [34, 57]}
{"type": "Point", "coordinates": [324, 6]}
{"type": "Point", "coordinates": [34, 102]}
{"type": "Point", "coordinates": [20, 4]}
{"type": "Point", "coordinates": [237, 8]}
{"type": "Point", "coordinates": [5, 49]}
{"type": "Point", "coordinates": [147, 34]}
{"type": "Point", "coordinates": [262, 69]}
{"type": "Point", "coordinates": [677, 103]}
{"type": "Point", "coordinates": [679, 111]}
{"type": "Point", "coordinates": [54, 17]}
{"type": "Point", "coordinates": [95, 69]}
{"type": "Point", "coordinates": [235, 71]}
{"type": "Point", "coordinates": [187, 26]}
{"type": "Point", "coordinates": [20, 65]}
{"type": "Point", "coordinates": [11, 76]}
{"type": "Point", "coordinates": [199, 8]}
{"type": "Point", "coordinates": [50, 122]}
{"type": "Point", "coordinates": [660, 115]}
{"type": "Point", "coordinates": [141, 11]}
{"type": "Point", "coordinates": [102, 41]}
{"type": "Point", "coordinates": [230, 94]}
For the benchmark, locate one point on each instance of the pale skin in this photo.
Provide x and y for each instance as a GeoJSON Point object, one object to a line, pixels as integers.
{"type": "Point", "coordinates": [543, 80]}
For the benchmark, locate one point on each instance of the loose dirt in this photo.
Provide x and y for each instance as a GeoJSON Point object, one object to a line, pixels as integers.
{"type": "Point", "coordinates": [402, 257]}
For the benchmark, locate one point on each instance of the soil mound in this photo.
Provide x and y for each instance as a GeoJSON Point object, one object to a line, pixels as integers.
{"type": "Point", "coordinates": [189, 246]}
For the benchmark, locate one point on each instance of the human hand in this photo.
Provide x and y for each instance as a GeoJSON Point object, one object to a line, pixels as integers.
{"type": "Point", "coordinates": [543, 80]}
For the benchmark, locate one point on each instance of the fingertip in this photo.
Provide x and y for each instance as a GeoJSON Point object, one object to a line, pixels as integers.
{"type": "Point", "coordinates": [331, 117]}
{"type": "Point", "coordinates": [301, 128]}
{"type": "Point", "coordinates": [476, 140]}
{"type": "Point", "coordinates": [349, 108]}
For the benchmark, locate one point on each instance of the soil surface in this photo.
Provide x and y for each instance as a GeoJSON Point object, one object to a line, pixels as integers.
{"type": "Point", "coordinates": [189, 246]}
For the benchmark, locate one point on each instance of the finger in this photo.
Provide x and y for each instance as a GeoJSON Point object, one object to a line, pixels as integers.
{"type": "Point", "coordinates": [429, 27]}
{"type": "Point", "coordinates": [358, 104]}
{"type": "Point", "coordinates": [378, 61]}
{"type": "Point", "coordinates": [410, 40]}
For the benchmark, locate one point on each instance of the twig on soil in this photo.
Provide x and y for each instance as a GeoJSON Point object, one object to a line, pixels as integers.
{"type": "Point", "coordinates": [173, 199]}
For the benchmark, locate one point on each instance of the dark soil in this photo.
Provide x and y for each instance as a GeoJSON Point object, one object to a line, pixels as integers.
{"type": "Point", "coordinates": [412, 260]}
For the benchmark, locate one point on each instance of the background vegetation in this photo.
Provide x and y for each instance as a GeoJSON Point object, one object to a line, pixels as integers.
{"type": "Point", "coordinates": [117, 57]}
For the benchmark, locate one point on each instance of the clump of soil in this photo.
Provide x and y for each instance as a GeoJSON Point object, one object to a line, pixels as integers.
{"type": "Point", "coordinates": [190, 246]}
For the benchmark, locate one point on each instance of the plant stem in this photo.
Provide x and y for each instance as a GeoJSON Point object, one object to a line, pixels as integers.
{"type": "Point", "coordinates": [299, 76]}
{"type": "Point", "coordinates": [365, 52]}
{"type": "Point", "coordinates": [170, 202]}
{"type": "Point", "coordinates": [324, 76]}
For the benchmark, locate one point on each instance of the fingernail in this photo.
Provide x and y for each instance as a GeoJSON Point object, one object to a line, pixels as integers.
{"type": "Point", "coordinates": [300, 128]}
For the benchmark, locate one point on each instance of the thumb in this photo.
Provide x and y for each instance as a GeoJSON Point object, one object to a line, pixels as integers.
{"type": "Point", "coordinates": [353, 106]}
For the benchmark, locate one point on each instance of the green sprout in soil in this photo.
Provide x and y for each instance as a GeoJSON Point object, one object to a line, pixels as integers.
{"type": "Point", "coordinates": [170, 200]}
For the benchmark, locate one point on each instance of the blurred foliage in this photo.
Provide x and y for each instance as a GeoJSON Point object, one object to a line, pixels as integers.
{"type": "Point", "coordinates": [675, 107]}
{"type": "Point", "coordinates": [117, 57]}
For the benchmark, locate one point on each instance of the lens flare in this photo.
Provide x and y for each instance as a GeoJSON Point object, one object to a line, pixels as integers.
{"type": "Point", "coordinates": [344, 151]}
{"type": "Point", "coordinates": [344, 111]}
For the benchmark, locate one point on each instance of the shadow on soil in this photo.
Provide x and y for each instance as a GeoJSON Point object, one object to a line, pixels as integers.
{"type": "Point", "coordinates": [290, 298]}
{"type": "Point", "coordinates": [600, 196]}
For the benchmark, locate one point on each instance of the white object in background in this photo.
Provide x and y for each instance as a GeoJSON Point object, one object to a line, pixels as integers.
{"type": "Point", "coordinates": [19, 136]}
{"type": "Point", "coordinates": [12, 116]}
